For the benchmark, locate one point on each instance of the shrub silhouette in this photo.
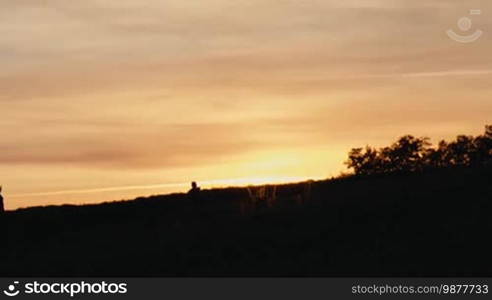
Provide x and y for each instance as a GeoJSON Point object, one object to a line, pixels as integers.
{"type": "Point", "coordinates": [411, 154]}
{"type": "Point", "coordinates": [1, 202]}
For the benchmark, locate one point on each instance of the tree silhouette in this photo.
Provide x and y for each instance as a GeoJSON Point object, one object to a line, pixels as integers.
{"type": "Point", "coordinates": [461, 151]}
{"type": "Point", "coordinates": [488, 131]}
{"type": "Point", "coordinates": [483, 148]}
{"type": "Point", "coordinates": [406, 155]}
{"type": "Point", "coordinates": [364, 161]}
{"type": "Point", "coordinates": [411, 154]}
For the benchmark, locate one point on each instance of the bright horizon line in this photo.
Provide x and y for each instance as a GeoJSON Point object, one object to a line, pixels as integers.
{"type": "Point", "coordinates": [219, 183]}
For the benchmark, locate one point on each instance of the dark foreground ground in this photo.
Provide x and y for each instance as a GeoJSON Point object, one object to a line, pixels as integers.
{"type": "Point", "coordinates": [432, 224]}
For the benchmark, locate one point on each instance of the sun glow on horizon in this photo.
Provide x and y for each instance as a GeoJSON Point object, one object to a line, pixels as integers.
{"type": "Point", "coordinates": [219, 183]}
{"type": "Point", "coordinates": [158, 189]}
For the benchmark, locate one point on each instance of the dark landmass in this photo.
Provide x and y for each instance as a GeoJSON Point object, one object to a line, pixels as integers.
{"type": "Point", "coordinates": [430, 223]}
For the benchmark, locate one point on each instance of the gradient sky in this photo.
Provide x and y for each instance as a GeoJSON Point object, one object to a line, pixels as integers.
{"type": "Point", "coordinates": [105, 100]}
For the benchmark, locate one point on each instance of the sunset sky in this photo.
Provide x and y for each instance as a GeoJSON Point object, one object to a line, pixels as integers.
{"type": "Point", "coordinates": [111, 99]}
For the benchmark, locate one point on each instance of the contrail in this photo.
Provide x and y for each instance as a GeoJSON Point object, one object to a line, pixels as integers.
{"type": "Point", "coordinates": [99, 190]}
{"type": "Point", "coordinates": [448, 73]}
{"type": "Point", "coordinates": [424, 74]}
{"type": "Point", "coordinates": [219, 182]}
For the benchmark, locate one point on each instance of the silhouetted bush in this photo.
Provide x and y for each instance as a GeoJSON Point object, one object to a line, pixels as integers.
{"type": "Point", "coordinates": [411, 154]}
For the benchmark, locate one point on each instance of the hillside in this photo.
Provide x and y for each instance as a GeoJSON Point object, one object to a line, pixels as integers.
{"type": "Point", "coordinates": [426, 224]}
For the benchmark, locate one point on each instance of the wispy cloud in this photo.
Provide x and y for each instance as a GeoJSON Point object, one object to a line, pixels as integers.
{"type": "Point", "coordinates": [450, 73]}
{"type": "Point", "coordinates": [146, 89]}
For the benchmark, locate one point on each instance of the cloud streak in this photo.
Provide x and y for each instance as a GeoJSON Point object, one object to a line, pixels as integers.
{"type": "Point", "coordinates": [214, 88]}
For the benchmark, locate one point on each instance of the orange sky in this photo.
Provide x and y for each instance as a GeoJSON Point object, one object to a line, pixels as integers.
{"type": "Point", "coordinates": [105, 100]}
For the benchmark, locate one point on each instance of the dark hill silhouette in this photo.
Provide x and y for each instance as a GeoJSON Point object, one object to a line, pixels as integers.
{"type": "Point", "coordinates": [408, 222]}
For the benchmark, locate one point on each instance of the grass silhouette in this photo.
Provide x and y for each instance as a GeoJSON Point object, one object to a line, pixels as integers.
{"type": "Point", "coordinates": [435, 223]}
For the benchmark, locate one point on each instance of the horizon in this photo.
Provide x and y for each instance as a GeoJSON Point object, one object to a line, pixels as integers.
{"type": "Point", "coordinates": [111, 100]}
{"type": "Point", "coordinates": [180, 188]}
